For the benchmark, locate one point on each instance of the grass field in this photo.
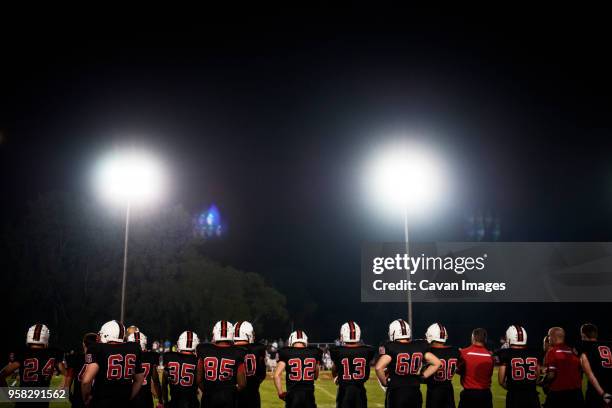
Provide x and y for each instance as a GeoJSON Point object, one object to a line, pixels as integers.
{"type": "Point", "coordinates": [326, 393]}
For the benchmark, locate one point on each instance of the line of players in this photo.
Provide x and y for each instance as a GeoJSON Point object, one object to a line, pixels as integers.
{"type": "Point", "coordinates": [117, 371]}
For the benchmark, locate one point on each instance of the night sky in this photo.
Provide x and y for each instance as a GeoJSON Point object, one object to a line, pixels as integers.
{"type": "Point", "coordinates": [271, 119]}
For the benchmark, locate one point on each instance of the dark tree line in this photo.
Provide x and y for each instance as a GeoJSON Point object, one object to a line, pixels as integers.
{"type": "Point", "coordinates": [61, 265]}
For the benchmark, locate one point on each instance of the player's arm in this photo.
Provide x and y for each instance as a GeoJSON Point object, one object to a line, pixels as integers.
{"type": "Point", "coordinates": [164, 385]}
{"type": "Point", "coordinates": [586, 367]}
{"type": "Point", "coordinates": [434, 365]}
{"type": "Point", "coordinates": [241, 377]}
{"type": "Point", "coordinates": [549, 369]}
{"type": "Point", "coordinates": [138, 376]}
{"type": "Point", "coordinates": [261, 368]}
{"type": "Point", "coordinates": [381, 366]}
{"type": "Point", "coordinates": [137, 380]}
{"type": "Point", "coordinates": [501, 375]}
{"type": "Point", "coordinates": [68, 378]}
{"type": "Point", "coordinates": [88, 377]}
{"type": "Point", "coordinates": [200, 375]}
{"type": "Point", "coordinates": [334, 372]}
{"type": "Point", "coordinates": [155, 385]}
{"type": "Point", "coordinates": [278, 379]}
{"type": "Point", "coordinates": [7, 371]}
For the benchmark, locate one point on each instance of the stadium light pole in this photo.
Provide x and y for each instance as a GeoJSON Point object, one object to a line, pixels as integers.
{"type": "Point", "coordinates": [410, 179]}
{"type": "Point", "coordinates": [128, 178]}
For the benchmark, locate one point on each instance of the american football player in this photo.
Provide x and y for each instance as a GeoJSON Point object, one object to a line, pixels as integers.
{"type": "Point", "coordinates": [221, 371]}
{"type": "Point", "coordinates": [254, 365]}
{"type": "Point", "coordinates": [149, 362]}
{"type": "Point", "coordinates": [37, 363]}
{"type": "Point", "coordinates": [596, 361]}
{"type": "Point", "coordinates": [75, 368]}
{"type": "Point", "coordinates": [180, 369]}
{"type": "Point", "coordinates": [403, 361]}
{"type": "Point", "coordinates": [115, 366]}
{"type": "Point", "coordinates": [301, 364]}
{"type": "Point", "coordinates": [351, 367]}
{"type": "Point", "coordinates": [519, 370]}
{"type": "Point", "coordinates": [440, 392]}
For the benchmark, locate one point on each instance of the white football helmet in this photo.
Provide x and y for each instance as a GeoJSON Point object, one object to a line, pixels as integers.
{"type": "Point", "coordinates": [38, 334]}
{"type": "Point", "coordinates": [399, 329]}
{"type": "Point", "coordinates": [350, 332]}
{"type": "Point", "coordinates": [516, 336]}
{"type": "Point", "coordinates": [138, 337]}
{"type": "Point", "coordinates": [243, 331]}
{"type": "Point", "coordinates": [187, 341]}
{"type": "Point", "coordinates": [112, 331]}
{"type": "Point", "coordinates": [223, 331]}
{"type": "Point", "coordinates": [297, 336]}
{"type": "Point", "coordinates": [436, 332]}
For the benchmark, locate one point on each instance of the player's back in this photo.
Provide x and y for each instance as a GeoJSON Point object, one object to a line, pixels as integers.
{"type": "Point", "coordinates": [37, 366]}
{"type": "Point", "coordinates": [220, 365]}
{"type": "Point", "coordinates": [75, 363]}
{"type": "Point", "coordinates": [301, 366]}
{"type": "Point", "coordinates": [181, 373]}
{"type": "Point", "coordinates": [149, 360]}
{"type": "Point", "coordinates": [521, 368]}
{"type": "Point", "coordinates": [406, 363]}
{"type": "Point", "coordinates": [254, 365]}
{"type": "Point", "coordinates": [352, 363]}
{"type": "Point", "coordinates": [449, 358]}
{"type": "Point", "coordinates": [118, 362]}
{"type": "Point", "coordinates": [599, 354]}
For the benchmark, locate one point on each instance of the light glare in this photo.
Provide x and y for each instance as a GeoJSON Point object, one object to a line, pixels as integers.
{"type": "Point", "coordinates": [129, 177]}
{"type": "Point", "coordinates": [407, 177]}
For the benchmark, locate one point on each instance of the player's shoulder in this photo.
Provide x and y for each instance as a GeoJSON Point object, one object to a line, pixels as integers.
{"type": "Point", "coordinates": [241, 351]}
{"type": "Point", "coordinates": [256, 348]}
{"type": "Point", "coordinates": [204, 348]}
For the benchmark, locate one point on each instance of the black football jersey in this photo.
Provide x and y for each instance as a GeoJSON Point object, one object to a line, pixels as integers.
{"type": "Point", "coordinates": [301, 365]}
{"type": "Point", "coordinates": [255, 365]}
{"type": "Point", "coordinates": [149, 363]}
{"type": "Point", "coordinates": [406, 363]}
{"type": "Point", "coordinates": [449, 357]}
{"type": "Point", "coordinates": [599, 354]}
{"type": "Point", "coordinates": [181, 369]}
{"type": "Point", "coordinates": [352, 363]}
{"type": "Point", "coordinates": [75, 363]}
{"type": "Point", "coordinates": [37, 365]}
{"type": "Point", "coordinates": [118, 363]}
{"type": "Point", "coordinates": [220, 365]}
{"type": "Point", "coordinates": [521, 367]}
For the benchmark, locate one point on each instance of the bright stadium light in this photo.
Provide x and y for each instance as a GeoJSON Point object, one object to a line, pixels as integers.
{"type": "Point", "coordinates": [408, 179]}
{"type": "Point", "coordinates": [129, 178]}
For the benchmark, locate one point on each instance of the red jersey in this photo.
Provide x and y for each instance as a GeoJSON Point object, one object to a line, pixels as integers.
{"type": "Point", "coordinates": [476, 367]}
{"type": "Point", "coordinates": [566, 365]}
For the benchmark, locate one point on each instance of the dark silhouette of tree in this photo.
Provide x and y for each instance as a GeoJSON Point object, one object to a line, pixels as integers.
{"type": "Point", "coordinates": [61, 265]}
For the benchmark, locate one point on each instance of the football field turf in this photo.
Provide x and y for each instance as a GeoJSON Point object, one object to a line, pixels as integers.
{"type": "Point", "coordinates": [326, 393]}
